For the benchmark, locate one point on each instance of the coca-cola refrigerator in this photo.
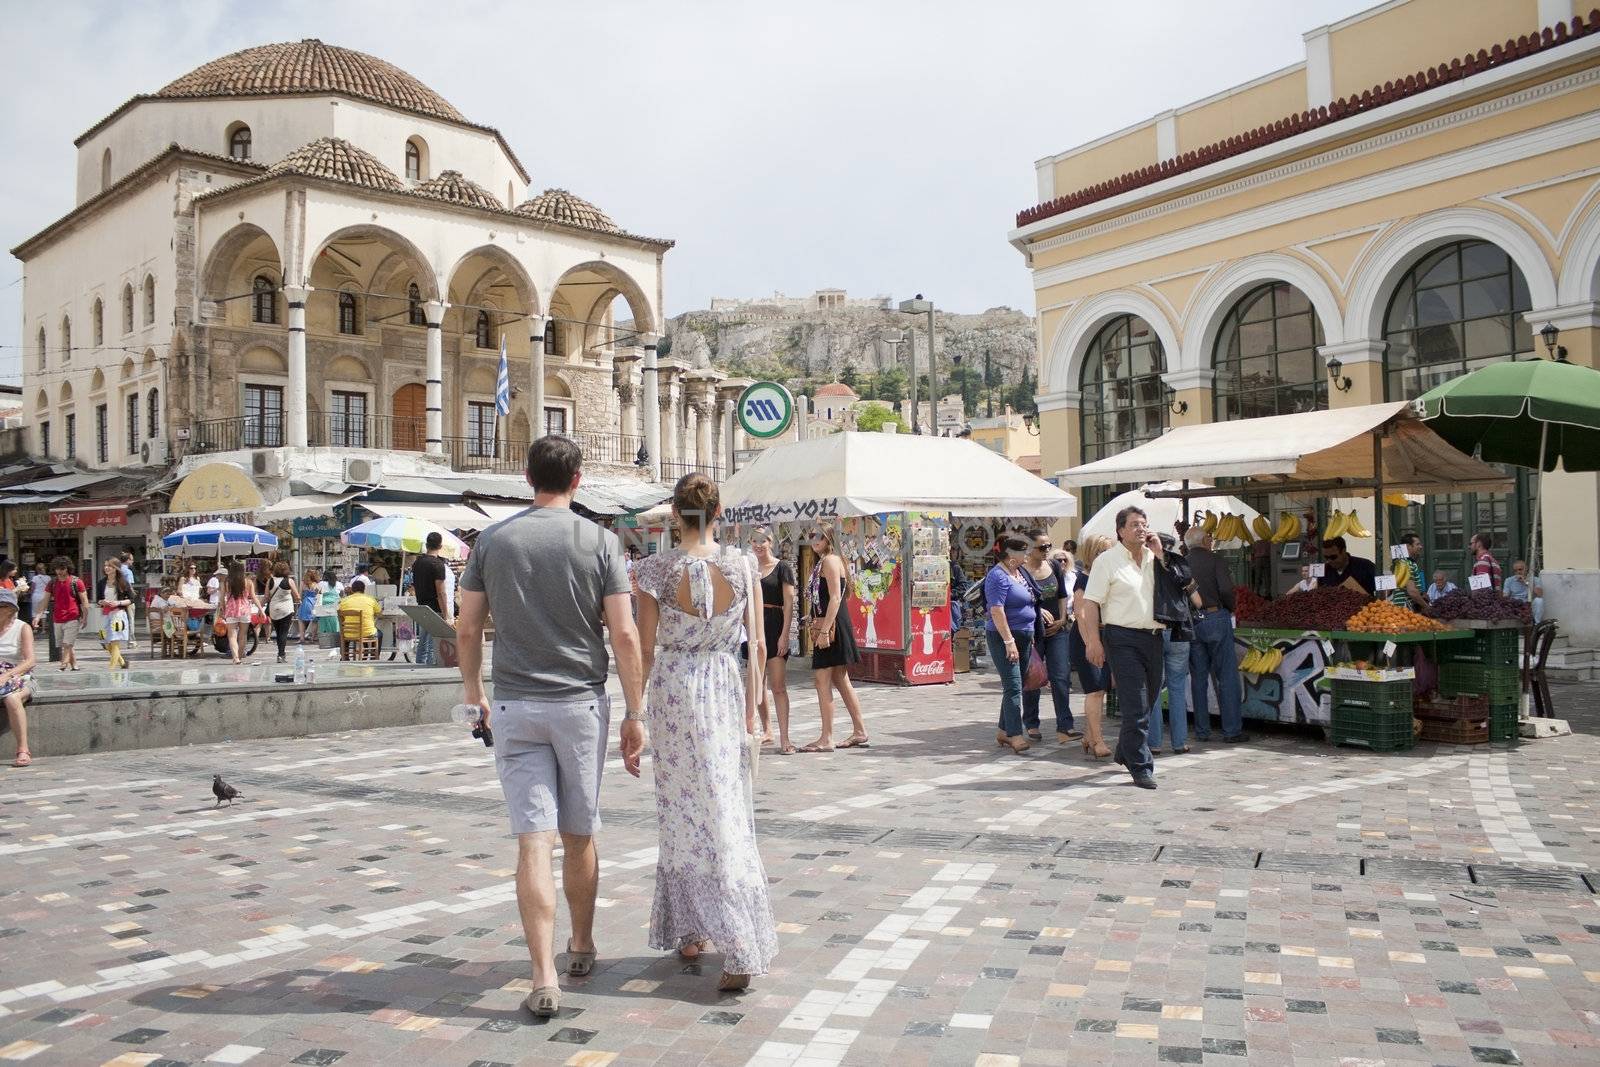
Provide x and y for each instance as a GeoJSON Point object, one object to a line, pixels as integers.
{"type": "Point", "coordinates": [900, 597]}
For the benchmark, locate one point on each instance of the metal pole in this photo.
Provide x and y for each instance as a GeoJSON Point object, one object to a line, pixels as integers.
{"type": "Point", "coordinates": [1538, 506]}
{"type": "Point", "coordinates": [911, 340]}
{"type": "Point", "coordinates": [933, 371]}
{"type": "Point", "coordinates": [1377, 497]}
{"type": "Point", "coordinates": [988, 391]}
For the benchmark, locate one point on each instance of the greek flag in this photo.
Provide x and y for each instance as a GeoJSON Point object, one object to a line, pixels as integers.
{"type": "Point", "coordinates": [502, 383]}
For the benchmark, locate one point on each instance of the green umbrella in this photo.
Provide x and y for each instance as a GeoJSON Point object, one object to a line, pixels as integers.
{"type": "Point", "coordinates": [1528, 413]}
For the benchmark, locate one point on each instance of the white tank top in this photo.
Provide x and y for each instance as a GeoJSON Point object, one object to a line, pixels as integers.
{"type": "Point", "coordinates": [10, 640]}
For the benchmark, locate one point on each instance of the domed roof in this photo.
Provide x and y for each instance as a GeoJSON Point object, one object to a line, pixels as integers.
{"type": "Point", "coordinates": [309, 66]}
{"type": "Point", "coordinates": [339, 160]}
{"type": "Point", "coordinates": [558, 205]}
{"type": "Point", "coordinates": [451, 186]}
{"type": "Point", "coordinates": [835, 389]}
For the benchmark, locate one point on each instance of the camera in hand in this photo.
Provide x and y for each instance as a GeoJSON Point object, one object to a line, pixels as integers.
{"type": "Point", "coordinates": [471, 713]}
{"type": "Point", "coordinates": [484, 734]}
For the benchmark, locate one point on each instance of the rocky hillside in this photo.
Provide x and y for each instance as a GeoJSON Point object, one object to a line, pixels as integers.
{"type": "Point", "coordinates": [808, 348]}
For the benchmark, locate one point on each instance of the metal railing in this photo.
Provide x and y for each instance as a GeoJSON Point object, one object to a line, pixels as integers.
{"type": "Point", "coordinates": [672, 471]}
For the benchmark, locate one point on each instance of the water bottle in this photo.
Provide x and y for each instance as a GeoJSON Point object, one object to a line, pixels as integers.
{"type": "Point", "coordinates": [468, 714]}
{"type": "Point", "coordinates": [299, 666]}
{"type": "Point", "coordinates": [311, 672]}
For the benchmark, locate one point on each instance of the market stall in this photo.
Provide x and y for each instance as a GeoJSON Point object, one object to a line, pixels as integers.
{"type": "Point", "coordinates": [893, 498]}
{"type": "Point", "coordinates": [1305, 657]}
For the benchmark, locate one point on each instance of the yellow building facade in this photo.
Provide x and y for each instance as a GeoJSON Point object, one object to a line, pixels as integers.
{"type": "Point", "coordinates": [1008, 435]}
{"type": "Point", "coordinates": [1416, 198]}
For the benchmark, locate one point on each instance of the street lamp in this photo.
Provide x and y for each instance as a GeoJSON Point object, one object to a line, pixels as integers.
{"type": "Point", "coordinates": [1340, 383]}
{"type": "Point", "coordinates": [917, 306]}
{"type": "Point", "coordinates": [1549, 334]}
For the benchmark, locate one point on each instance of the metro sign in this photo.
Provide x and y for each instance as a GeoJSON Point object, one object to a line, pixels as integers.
{"type": "Point", "coordinates": [765, 410]}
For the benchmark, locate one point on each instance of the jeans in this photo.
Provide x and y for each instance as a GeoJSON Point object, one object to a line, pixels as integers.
{"type": "Point", "coordinates": [1212, 655]}
{"type": "Point", "coordinates": [427, 649]}
{"type": "Point", "coordinates": [1057, 652]}
{"type": "Point", "coordinates": [1175, 660]}
{"type": "Point", "coordinates": [1010, 678]}
{"type": "Point", "coordinates": [1134, 657]}
{"type": "Point", "coordinates": [280, 632]}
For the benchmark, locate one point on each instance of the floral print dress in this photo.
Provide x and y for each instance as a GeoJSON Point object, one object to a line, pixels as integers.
{"type": "Point", "coordinates": [710, 884]}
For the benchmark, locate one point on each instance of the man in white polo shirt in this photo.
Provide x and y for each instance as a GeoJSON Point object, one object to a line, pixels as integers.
{"type": "Point", "coordinates": [1118, 625]}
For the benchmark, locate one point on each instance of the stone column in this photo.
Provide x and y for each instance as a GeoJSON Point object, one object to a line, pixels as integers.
{"type": "Point", "coordinates": [651, 389]}
{"type": "Point", "coordinates": [434, 311]}
{"type": "Point", "coordinates": [667, 400]}
{"type": "Point", "coordinates": [296, 434]}
{"type": "Point", "coordinates": [1194, 397]}
{"type": "Point", "coordinates": [693, 420]}
{"type": "Point", "coordinates": [536, 328]}
{"type": "Point", "coordinates": [627, 393]}
{"type": "Point", "coordinates": [719, 433]}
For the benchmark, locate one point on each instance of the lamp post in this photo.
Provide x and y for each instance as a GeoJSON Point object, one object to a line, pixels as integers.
{"type": "Point", "coordinates": [1549, 335]}
{"type": "Point", "coordinates": [894, 344]}
{"type": "Point", "coordinates": [917, 306]}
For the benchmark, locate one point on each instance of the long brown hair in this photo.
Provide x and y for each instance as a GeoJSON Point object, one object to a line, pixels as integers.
{"type": "Point", "coordinates": [236, 586]}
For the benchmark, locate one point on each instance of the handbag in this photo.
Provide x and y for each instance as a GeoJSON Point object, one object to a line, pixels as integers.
{"type": "Point", "coordinates": [1037, 676]}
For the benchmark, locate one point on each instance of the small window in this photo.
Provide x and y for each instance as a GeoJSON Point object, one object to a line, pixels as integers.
{"type": "Point", "coordinates": [72, 435]}
{"type": "Point", "coordinates": [348, 320]}
{"type": "Point", "coordinates": [127, 309]}
{"type": "Point", "coordinates": [44, 350]}
{"type": "Point", "coordinates": [552, 344]}
{"type": "Point", "coordinates": [555, 422]}
{"type": "Point", "coordinates": [414, 313]}
{"type": "Point", "coordinates": [484, 340]}
{"type": "Point", "coordinates": [66, 340]}
{"type": "Point", "coordinates": [105, 170]}
{"type": "Point", "coordinates": [98, 322]}
{"type": "Point", "coordinates": [152, 420]}
{"type": "Point", "coordinates": [239, 142]}
{"type": "Point", "coordinates": [133, 423]}
{"type": "Point", "coordinates": [413, 161]}
{"type": "Point", "coordinates": [263, 300]}
{"type": "Point", "coordinates": [149, 300]}
{"type": "Point", "coordinates": [480, 428]}
{"type": "Point", "coordinates": [102, 435]}
{"type": "Point", "coordinates": [44, 438]}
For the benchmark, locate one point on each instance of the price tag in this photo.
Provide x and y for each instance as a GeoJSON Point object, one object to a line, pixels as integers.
{"type": "Point", "coordinates": [1388, 649]}
{"type": "Point", "coordinates": [1479, 581]}
{"type": "Point", "coordinates": [1327, 650]}
{"type": "Point", "coordinates": [1399, 552]}
{"type": "Point", "coordinates": [1385, 583]}
{"type": "Point", "coordinates": [1318, 570]}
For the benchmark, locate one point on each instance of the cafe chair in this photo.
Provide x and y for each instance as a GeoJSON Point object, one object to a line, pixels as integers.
{"type": "Point", "coordinates": [355, 648]}
{"type": "Point", "coordinates": [1544, 635]}
{"type": "Point", "coordinates": [154, 618]}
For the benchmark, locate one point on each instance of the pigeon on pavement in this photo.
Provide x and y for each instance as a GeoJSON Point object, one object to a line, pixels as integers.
{"type": "Point", "coordinates": [223, 791]}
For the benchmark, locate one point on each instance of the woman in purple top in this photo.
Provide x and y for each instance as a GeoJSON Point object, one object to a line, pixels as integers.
{"type": "Point", "coordinates": [1009, 595]}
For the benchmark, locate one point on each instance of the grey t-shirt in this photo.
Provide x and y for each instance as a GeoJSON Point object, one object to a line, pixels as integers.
{"type": "Point", "coordinates": [546, 572]}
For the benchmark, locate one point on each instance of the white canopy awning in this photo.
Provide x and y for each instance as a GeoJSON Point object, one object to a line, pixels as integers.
{"type": "Point", "coordinates": [868, 473]}
{"type": "Point", "coordinates": [1161, 511]}
{"type": "Point", "coordinates": [302, 507]}
{"type": "Point", "coordinates": [1311, 448]}
{"type": "Point", "coordinates": [446, 516]}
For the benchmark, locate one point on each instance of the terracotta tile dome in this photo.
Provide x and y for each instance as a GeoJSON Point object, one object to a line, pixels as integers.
{"type": "Point", "coordinates": [558, 205]}
{"type": "Point", "coordinates": [309, 66]}
{"type": "Point", "coordinates": [338, 160]}
{"type": "Point", "coordinates": [835, 389]}
{"type": "Point", "coordinates": [452, 187]}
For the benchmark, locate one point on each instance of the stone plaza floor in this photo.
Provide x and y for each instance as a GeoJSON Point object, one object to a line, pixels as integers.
{"type": "Point", "coordinates": [939, 901]}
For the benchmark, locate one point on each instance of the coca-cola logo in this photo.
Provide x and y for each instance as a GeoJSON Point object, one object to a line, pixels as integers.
{"type": "Point", "coordinates": [927, 668]}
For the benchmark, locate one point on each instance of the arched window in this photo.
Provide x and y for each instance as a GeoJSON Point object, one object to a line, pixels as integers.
{"type": "Point", "coordinates": [1458, 309]}
{"type": "Point", "coordinates": [1266, 356]}
{"type": "Point", "coordinates": [97, 322]}
{"type": "Point", "coordinates": [414, 314]}
{"type": "Point", "coordinates": [66, 340]}
{"type": "Point", "coordinates": [239, 142]}
{"type": "Point", "coordinates": [105, 170]}
{"type": "Point", "coordinates": [552, 337]}
{"type": "Point", "coordinates": [149, 300]}
{"type": "Point", "coordinates": [131, 418]}
{"type": "Point", "coordinates": [152, 415]}
{"type": "Point", "coordinates": [263, 300]}
{"type": "Point", "coordinates": [413, 160]}
{"type": "Point", "coordinates": [484, 340]}
{"type": "Point", "coordinates": [348, 321]}
{"type": "Point", "coordinates": [44, 350]}
{"type": "Point", "coordinates": [127, 309]}
{"type": "Point", "coordinates": [1124, 399]}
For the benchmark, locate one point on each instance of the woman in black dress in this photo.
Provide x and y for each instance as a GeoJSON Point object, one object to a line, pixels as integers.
{"type": "Point", "coordinates": [778, 590]}
{"type": "Point", "coordinates": [833, 646]}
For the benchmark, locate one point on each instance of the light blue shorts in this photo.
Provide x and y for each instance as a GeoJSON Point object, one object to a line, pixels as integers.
{"type": "Point", "coordinates": [550, 755]}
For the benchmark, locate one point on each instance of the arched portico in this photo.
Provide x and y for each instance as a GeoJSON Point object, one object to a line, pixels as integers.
{"type": "Point", "coordinates": [1224, 288]}
{"type": "Point", "coordinates": [1580, 266]}
{"type": "Point", "coordinates": [1064, 362]}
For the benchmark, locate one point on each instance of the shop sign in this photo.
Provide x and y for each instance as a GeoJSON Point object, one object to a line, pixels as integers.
{"type": "Point", "coordinates": [786, 511]}
{"type": "Point", "coordinates": [29, 515]}
{"type": "Point", "coordinates": [215, 487]}
{"type": "Point", "coordinates": [765, 410]}
{"type": "Point", "coordinates": [317, 527]}
{"type": "Point", "coordinates": [85, 517]}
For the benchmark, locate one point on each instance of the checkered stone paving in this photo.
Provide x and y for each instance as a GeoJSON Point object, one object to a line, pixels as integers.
{"type": "Point", "coordinates": [940, 902]}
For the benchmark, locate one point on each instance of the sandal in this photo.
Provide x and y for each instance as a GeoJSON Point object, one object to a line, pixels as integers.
{"type": "Point", "coordinates": [816, 746]}
{"type": "Point", "coordinates": [1035, 735]}
{"type": "Point", "coordinates": [700, 947]}
{"type": "Point", "coordinates": [579, 964]}
{"type": "Point", "coordinates": [733, 983]}
{"type": "Point", "coordinates": [1064, 737]}
{"type": "Point", "coordinates": [24, 758]}
{"type": "Point", "coordinates": [787, 750]}
{"type": "Point", "coordinates": [544, 1002]}
{"type": "Point", "coordinates": [856, 741]}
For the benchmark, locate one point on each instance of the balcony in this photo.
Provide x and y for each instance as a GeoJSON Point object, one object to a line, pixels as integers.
{"type": "Point", "coordinates": [387, 433]}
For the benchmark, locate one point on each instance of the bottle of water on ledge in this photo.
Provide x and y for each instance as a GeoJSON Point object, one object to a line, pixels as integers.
{"type": "Point", "coordinates": [299, 666]}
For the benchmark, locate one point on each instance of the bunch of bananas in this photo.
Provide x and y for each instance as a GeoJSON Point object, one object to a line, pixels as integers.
{"type": "Point", "coordinates": [1345, 524]}
{"type": "Point", "coordinates": [1288, 528]}
{"type": "Point", "coordinates": [1402, 574]}
{"type": "Point", "coordinates": [1230, 527]}
{"type": "Point", "coordinates": [1260, 661]}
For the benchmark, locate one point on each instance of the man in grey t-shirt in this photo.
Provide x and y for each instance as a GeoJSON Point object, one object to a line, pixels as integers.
{"type": "Point", "coordinates": [549, 578]}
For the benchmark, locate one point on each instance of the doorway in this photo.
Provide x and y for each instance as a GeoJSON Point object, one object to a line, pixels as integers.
{"type": "Point", "coordinates": [410, 410]}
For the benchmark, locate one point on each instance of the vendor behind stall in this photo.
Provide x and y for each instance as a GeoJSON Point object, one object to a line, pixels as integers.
{"type": "Point", "coordinates": [1341, 568]}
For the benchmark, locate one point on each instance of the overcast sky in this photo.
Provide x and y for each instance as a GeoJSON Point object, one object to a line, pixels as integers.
{"type": "Point", "coordinates": [882, 147]}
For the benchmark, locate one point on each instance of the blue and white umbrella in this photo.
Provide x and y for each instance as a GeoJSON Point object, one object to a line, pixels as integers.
{"type": "Point", "coordinates": [223, 538]}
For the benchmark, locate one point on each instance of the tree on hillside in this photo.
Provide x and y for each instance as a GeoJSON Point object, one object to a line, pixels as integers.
{"type": "Point", "coordinates": [849, 377]}
{"type": "Point", "coordinates": [871, 418]}
{"type": "Point", "coordinates": [891, 385]}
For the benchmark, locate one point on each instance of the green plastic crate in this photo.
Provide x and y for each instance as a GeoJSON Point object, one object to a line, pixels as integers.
{"type": "Point", "coordinates": [1502, 685]}
{"type": "Point", "coordinates": [1392, 696]}
{"type": "Point", "coordinates": [1503, 722]}
{"type": "Point", "coordinates": [1381, 731]}
{"type": "Point", "coordinates": [1488, 648]}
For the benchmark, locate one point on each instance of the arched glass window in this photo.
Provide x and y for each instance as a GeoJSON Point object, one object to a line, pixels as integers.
{"type": "Point", "coordinates": [484, 340]}
{"type": "Point", "coordinates": [263, 300]}
{"type": "Point", "coordinates": [149, 300]}
{"type": "Point", "coordinates": [414, 313]}
{"type": "Point", "coordinates": [1266, 356]}
{"type": "Point", "coordinates": [348, 320]}
{"type": "Point", "coordinates": [152, 415]}
{"type": "Point", "coordinates": [1460, 308]}
{"type": "Point", "coordinates": [97, 322]}
{"type": "Point", "coordinates": [66, 340]}
{"type": "Point", "coordinates": [44, 350]}
{"type": "Point", "coordinates": [1124, 399]}
{"type": "Point", "coordinates": [131, 418]}
{"type": "Point", "coordinates": [413, 161]}
{"type": "Point", "coordinates": [127, 309]}
{"type": "Point", "coordinates": [552, 338]}
{"type": "Point", "coordinates": [239, 142]}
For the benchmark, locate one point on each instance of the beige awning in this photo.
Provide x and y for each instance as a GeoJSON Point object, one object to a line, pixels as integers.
{"type": "Point", "coordinates": [312, 505]}
{"type": "Point", "coordinates": [1330, 450]}
{"type": "Point", "coordinates": [445, 515]}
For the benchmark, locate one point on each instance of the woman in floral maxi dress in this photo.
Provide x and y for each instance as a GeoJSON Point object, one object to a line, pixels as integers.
{"type": "Point", "coordinates": [710, 885]}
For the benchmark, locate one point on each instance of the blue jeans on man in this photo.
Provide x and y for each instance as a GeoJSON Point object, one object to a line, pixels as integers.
{"type": "Point", "coordinates": [1212, 655]}
{"type": "Point", "coordinates": [1010, 677]}
{"type": "Point", "coordinates": [1056, 651]}
{"type": "Point", "coordinates": [427, 649]}
{"type": "Point", "coordinates": [1175, 663]}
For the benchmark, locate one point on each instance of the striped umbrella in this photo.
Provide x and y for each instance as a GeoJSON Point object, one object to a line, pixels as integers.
{"type": "Point", "coordinates": [227, 538]}
{"type": "Point", "coordinates": [401, 533]}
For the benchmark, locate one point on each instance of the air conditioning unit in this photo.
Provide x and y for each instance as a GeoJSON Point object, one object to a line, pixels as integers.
{"type": "Point", "coordinates": [362, 471]}
{"type": "Point", "coordinates": [266, 464]}
{"type": "Point", "coordinates": [153, 452]}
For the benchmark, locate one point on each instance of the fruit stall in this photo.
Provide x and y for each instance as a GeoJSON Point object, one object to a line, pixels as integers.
{"type": "Point", "coordinates": [892, 500]}
{"type": "Point", "coordinates": [1367, 671]}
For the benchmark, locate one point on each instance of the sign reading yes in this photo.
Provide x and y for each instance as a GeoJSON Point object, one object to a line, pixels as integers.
{"type": "Point", "coordinates": [765, 410]}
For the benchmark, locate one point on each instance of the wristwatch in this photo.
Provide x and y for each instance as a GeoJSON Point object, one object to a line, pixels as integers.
{"type": "Point", "coordinates": [633, 716]}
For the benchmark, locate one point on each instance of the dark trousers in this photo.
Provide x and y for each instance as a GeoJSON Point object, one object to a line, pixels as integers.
{"type": "Point", "coordinates": [1135, 658]}
{"type": "Point", "coordinates": [280, 632]}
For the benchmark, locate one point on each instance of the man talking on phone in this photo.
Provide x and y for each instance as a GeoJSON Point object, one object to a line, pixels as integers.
{"type": "Point", "coordinates": [1119, 626]}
